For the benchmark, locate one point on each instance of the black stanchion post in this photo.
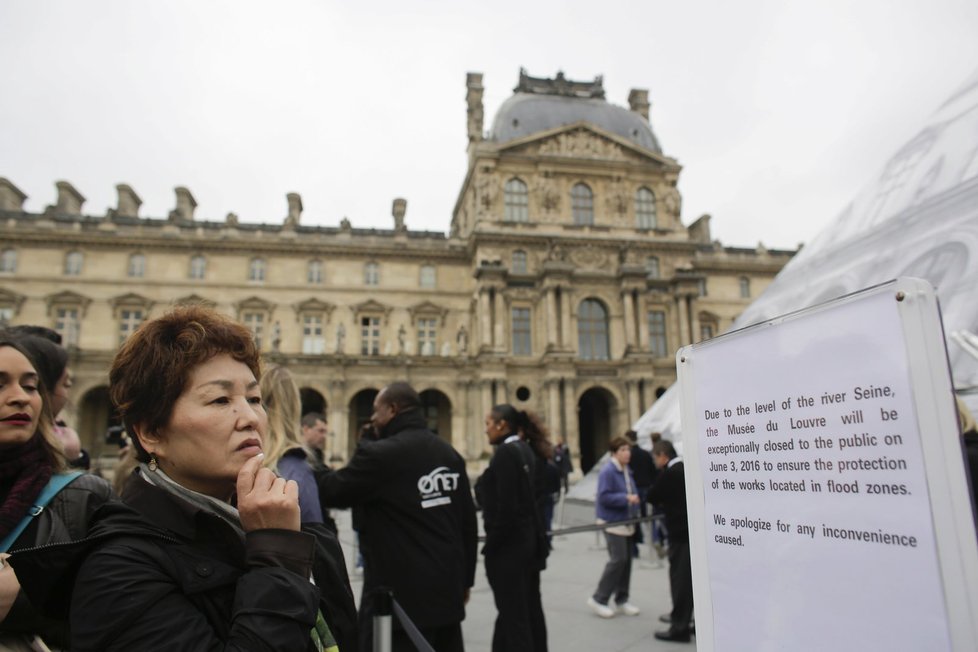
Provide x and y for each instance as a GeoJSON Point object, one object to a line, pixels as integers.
{"type": "Point", "coordinates": [382, 620]}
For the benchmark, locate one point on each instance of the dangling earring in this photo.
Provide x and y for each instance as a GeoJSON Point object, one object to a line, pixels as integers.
{"type": "Point", "coordinates": [152, 463]}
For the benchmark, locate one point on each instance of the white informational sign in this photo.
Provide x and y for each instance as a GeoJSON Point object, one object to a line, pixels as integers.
{"type": "Point", "coordinates": [827, 498]}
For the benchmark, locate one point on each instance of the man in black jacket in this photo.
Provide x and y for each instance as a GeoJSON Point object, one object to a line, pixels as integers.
{"type": "Point", "coordinates": [417, 520]}
{"type": "Point", "coordinates": [669, 491]}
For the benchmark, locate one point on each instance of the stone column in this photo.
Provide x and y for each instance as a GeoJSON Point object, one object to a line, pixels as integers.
{"type": "Point", "coordinates": [553, 408]}
{"type": "Point", "coordinates": [634, 402]}
{"type": "Point", "coordinates": [571, 434]}
{"type": "Point", "coordinates": [565, 319]}
{"type": "Point", "coordinates": [629, 315]}
{"type": "Point", "coordinates": [485, 318]}
{"type": "Point", "coordinates": [498, 338]}
{"type": "Point", "coordinates": [642, 322]}
{"type": "Point", "coordinates": [486, 406]}
{"type": "Point", "coordinates": [553, 318]}
{"type": "Point", "coordinates": [338, 442]}
{"type": "Point", "coordinates": [682, 305]}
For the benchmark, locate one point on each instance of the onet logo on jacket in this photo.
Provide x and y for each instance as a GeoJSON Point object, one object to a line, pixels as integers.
{"type": "Point", "coordinates": [435, 485]}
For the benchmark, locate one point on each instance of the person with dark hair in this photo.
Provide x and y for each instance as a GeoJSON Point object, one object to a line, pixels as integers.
{"type": "Point", "coordinates": [416, 520]}
{"type": "Point", "coordinates": [207, 551]}
{"type": "Point", "coordinates": [617, 500]}
{"type": "Point", "coordinates": [40, 504]}
{"type": "Point", "coordinates": [44, 347]}
{"type": "Point", "coordinates": [644, 472]}
{"type": "Point", "coordinates": [516, 548]}
{"type": "Point", "coordinates": [669, 491]}
{"type": "Point", "coordinates": [562, 459]}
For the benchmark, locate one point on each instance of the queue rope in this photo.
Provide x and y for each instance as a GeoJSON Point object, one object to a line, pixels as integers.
{"type": "Point", "coordinates": [595, 527]}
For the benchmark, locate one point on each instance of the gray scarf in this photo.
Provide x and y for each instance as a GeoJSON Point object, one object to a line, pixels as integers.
{"type": "Point", "coordinates": [211, 505]}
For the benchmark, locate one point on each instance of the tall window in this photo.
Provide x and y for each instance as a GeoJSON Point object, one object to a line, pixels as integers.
{"type": "Point", "coordinates": [254, 321]}
{"type": "Point", "coordinates": [517, 201]}
{"type": "Point", "coordinates": [744, 287]}
{"type": "Point", "coordinates": [657, 333]}
{"type": "Point", "coordinates": [129, 321]}
{"type": "Point", "coordinates": [427, 335]}
{"type": "Point", "coordinates": [73, 263]}
{"type": "Point", "coordinates": [314, 273]}
{"type": "Point", "coordinates": [371, 274]}
{"type": "Point", "coordinates": [370, 335]}
{"type": "Point", "coordinates": [645, 217]}
{"type": "Point", "coordinates": [522, 343]}
{"type": "Point", "coordinates": [6, 315]}
{"type": "Point", "coordinates": [519, 262]}
{"type": "Point", "coordinates": [582, 204]}
{"type": "Point", "coordinates": [67, 324]}
{"type": "Point", "coordinates": [701, 286]}
{"type": "Point", "coordinates": [198, 267]}
{"type": "Point", "coordinates": [137, 266]}
{"type": "Point", "coordinates": [427, 277]}
{"type": "Point", "coordinates": [8, 261]}
{"type": "Point", "coordinates": [256, 270]}
{"type": "Point", "coordinates": [652, 267]}
{"type": "Point", "coordinates": [706, 331]}
{"type": "Point", "coordinates": [313, 341]}
{"type": "Point", "coordinates": [592, 330]}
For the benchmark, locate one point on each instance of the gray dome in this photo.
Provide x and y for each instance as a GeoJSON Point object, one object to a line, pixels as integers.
{"type": "Point", "coordinates": [528, 113]}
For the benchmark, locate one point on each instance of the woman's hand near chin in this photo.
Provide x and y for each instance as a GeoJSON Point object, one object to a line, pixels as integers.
{"type": "Point", "coordinates": [266, 501]}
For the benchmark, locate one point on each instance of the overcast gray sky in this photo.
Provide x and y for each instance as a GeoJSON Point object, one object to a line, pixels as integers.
{"type": "Point", "coordinates": [779, 111]}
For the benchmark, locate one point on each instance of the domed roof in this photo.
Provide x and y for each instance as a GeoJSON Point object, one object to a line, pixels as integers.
{"type": "Point", "coordinates": [527, 113]}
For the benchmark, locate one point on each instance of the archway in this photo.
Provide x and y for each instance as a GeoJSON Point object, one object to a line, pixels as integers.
{"type": "Point", "coordinates": [361, 407]}
{"type": "Point", "coordinates": [95, 415]}
{"type": "Point", "coordinates": [312, 401]}
{"type": "Point", "coordinates": [437, 410]}
{"type": "Point", "coordinates": [595, 425]}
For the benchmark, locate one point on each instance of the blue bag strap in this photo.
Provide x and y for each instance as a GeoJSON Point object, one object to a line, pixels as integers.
{"type": "Point", "coordinates": [57, 482]}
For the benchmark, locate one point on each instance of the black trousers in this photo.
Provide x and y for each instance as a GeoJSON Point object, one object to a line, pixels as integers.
{"type": "Point", "coordinates": [681, 585]}
{"type": "Point", "coordinates": [514, 576]}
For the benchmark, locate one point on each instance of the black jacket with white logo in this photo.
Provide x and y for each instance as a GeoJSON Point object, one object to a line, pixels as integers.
{"type": "Point", "coordinates": [417, 520]}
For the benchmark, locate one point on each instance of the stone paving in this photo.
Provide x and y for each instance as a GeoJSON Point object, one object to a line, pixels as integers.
{"type": "Point", "coordinates": [571, 576]}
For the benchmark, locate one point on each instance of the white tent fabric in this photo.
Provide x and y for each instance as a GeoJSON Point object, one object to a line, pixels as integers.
{"type": "Point", "coordinates": [917, 217]}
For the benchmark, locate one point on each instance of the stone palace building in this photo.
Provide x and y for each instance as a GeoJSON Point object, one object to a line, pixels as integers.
{"type": "Point", "coordinates": [565, 285]}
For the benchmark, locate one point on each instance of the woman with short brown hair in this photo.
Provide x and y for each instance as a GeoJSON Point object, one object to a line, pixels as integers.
{"type": "Point", "coordinates": [207, 552]}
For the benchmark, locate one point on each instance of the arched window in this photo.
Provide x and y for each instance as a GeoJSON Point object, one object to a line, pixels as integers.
{"type": "Point", "coordinates": [371, 274]}
{"type": "Point", "coordinates": [137, 266]}
{"type": "Point", "coordinates": [8, 261]}
{"type": "Point", "coordinates": [256, 269]}
{"type": "Point", "coordinates": [744, 287]}
{"type": "Point", "coordinates": [652, 267]}
{"type": "Point", "coordinates": [314, 273]}
{"type": "Point", "coordinates": [645, 209]}
{"type": "Point", "coordinates": [592, 330]}
{"type": "Point", "coordinates": [519, 262]}
{"type": "Point", "coordinates": [198, 267]}
{"type": "Point", "coordinates": [517, 201]}
{"type": "Point", "coordinates": [73, 263]}
{"type": "Point", "coordinates": [582, 204]}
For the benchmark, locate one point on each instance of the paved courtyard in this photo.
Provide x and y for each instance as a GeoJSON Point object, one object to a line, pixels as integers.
{"type": "Point", "coordinates": [571, 576]}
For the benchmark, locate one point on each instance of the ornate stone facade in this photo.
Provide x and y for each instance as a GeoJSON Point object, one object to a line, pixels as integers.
{"type": "Point", "coordinates": [565, 286]}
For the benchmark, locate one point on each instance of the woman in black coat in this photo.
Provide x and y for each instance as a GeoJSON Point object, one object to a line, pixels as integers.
{"type": "Point", "coordinates": [207, 552]}
{"type": "Point", "coordinates": [511, 495]}
{"type": "Point", "coordinates": [32, 467]}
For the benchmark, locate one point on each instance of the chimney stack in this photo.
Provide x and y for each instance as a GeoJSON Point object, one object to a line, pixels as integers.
{"type": "Point", "coordinates": [129, 202]}
{"type": "Point", "coordinates": [638, 101]}
{"type": "Point", "coordinates": [11, 198]}
{"type": "Point", "coordinates": [69, 200]}
{"type": "Point", "coordinates": [186, 204]}
{"type": "Point", "coordinates": [473, 98]}
{"type": "Point", "coordinates": [295, 209]}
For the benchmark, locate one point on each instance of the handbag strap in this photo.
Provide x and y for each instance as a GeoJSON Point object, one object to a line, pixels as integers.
{"type": "Point", "coordinates": [57, 482]}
